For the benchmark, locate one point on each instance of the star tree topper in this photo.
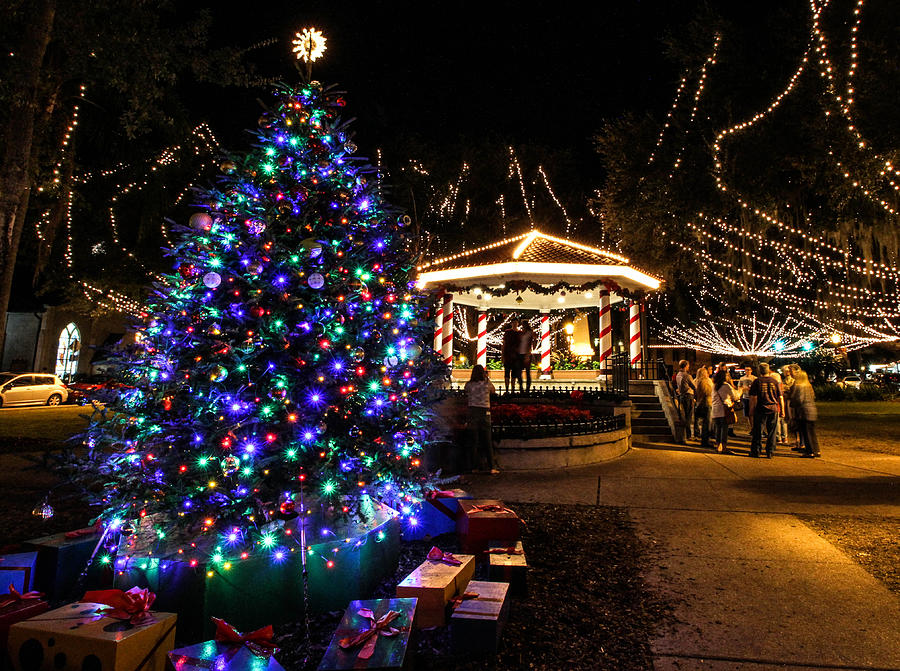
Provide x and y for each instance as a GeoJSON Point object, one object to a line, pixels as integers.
{"type": "Point", "coordinates": [309, 45]}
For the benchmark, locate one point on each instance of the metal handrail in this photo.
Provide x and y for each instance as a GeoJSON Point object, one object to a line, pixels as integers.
{"type": "Point", "coordinates": [558, 429]}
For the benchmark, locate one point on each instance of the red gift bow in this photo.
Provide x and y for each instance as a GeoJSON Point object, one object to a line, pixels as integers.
{"type": "Point", "coordinates": [459, 598]}
{"type": "Point", "coordinates": [370, 635]}
{"type": "Point", "coordinates": [133, 605]}
{"type": "Point", "coordinates": [259, 641]}
{"type": "Point", "coordinates": [87, 531]}
{"type": "Point", "coordinates": [436, 554]}
{"type": "Point", "coordinates": [505, 551]}
{"type": "Point", "coordinates": [439, 494]}
{"type": "Point", "coordinates": [490, 508]}
{"type": "Point", "coordinates": [15, 596]}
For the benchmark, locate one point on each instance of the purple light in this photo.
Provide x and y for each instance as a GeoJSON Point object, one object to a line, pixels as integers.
{"type": "Point", "coordinates": [364, 204]}
{"type": "Point", "coordinates": [281, 279]}
{"type": "Point", "coordinates": [188, 503]}
{"type": "Point", "coordinates": [249, 448]}
{"type": "Point", "coordinates": [280, 139]}
{"type": "Point", "coordinates": [338, 365]}
{"type": "Point", "coordinates": [235, 407]}
{"type": "Point", "coordinates": [308, 435]}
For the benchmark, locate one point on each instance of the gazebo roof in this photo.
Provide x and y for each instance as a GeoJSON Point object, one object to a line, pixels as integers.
{"type": "Point", "coordinates": [537, 262]}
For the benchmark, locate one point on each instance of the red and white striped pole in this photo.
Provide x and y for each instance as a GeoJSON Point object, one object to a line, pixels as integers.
{"type": "Point", "coordinates": [439, 322]}
{"type": "Point", "coordinates": [481, 353]}
{"type": "Point", "coordinates": [634, 331]}
{"type": "Point", "coordinates": [605, 329]}
{"type": "Point", "coordinates": [447, 340]}
{"type": "Point", "coordinates": [545, 344]}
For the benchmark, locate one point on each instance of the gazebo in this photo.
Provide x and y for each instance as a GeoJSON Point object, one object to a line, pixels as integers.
{"type": "Point", "coordinates": [536, 271]}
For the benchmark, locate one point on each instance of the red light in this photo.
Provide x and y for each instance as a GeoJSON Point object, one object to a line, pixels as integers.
{"type": "Point", "coordinates": [301, 477]}
{"type": "Point", "coordinates": [271, 437]}
{"type": "Point", "coordinates": [329, 564]}
{"type": "Point", "coordinates": [193, 562]}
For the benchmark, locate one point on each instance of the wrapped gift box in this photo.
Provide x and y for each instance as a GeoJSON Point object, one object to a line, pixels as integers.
{"type": "Point", "coordinates": [78, 637]}
{"type": "Point", "coordinates": [61, 560]}
{"type": "Point", "coordinates": [391, 652]}
{"type": "Point", "coordinates": [16, 611]}
{"type": "Point", "coordinates": [476, 624]}
{"type": "Point", "coordinates": [508, 564]}
{"type": "Point", "coordinates": [477, 527]}
{"type": "Point", "coordinates": [18, 570]}
{"type": "Point", "coordinates": [436, 516]}
{"type": "Point", "coordinates": [434, 584]}
{"type": "Point", "coordinates": [220, 657]}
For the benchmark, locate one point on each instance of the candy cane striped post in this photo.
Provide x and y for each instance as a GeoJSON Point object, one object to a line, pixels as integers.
{"type": "Point", "coordinates": [439, 323]}
{"type": "Point", "coordinates": [447, 341]}
{"type": "Point", "coordinates": [545, 345]}
{"type": "Point", "coordinates": [634, 331]}
{"type": "Point", "coordinates": [481, 354]}
{"type": "Point", "coordinates": [605, 329]}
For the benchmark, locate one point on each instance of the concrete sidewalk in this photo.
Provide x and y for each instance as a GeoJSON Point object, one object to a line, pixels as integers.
{"type": "Point", "coordinates": [754, 587]}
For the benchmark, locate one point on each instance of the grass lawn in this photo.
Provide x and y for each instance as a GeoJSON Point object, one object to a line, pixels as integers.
{"type": "Point", "coordinates": [873, 426]}
{"type": "Point", "coordinates": [39, 426]}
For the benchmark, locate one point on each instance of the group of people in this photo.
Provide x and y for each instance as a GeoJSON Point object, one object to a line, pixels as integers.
{"type": "Point", "coordinates": [781, 405]}
{"type": "Point", "coordinates": [518, 343]}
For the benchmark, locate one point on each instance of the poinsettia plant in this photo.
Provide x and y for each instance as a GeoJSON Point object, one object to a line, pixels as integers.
{"type": "Point", "coordinates": [537, 413]}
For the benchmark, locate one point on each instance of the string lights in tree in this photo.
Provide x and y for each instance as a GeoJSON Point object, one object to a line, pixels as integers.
{"type": "Point", "coordinates": [830, 283]}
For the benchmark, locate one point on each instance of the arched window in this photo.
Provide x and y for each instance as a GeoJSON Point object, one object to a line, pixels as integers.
{"type": "Point", "coordinates": [67, 352]}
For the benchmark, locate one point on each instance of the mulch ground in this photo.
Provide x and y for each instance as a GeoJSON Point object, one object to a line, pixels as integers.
{"type": "Point", "coordinates": [587, 606]}
{"type": "Point", "coordinates": [873, 542]}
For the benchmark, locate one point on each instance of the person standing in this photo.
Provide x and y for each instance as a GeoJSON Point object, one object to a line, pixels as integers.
{"type": "Point", "coordinates": [478, 396]}
{"type": "Point", "coordinates": [509, 353]}
{"type": "Point", "coordinates": [803, 399]}
{"type": "Point", "coordinates": [790, 423]}
{"type": "Point", "coordinates": [724, 398]}
{"type": "Point", "coordinates": [781, 426]}
{"type": "Point", "coordinates": [744, 383]}
{"type": "Point", "coordinates": [526, 345]}
{"type": "Point", "coordinates": [766, 405]}
{"type": "Point", "coordinates": [703, 404]}
{"type": "Point", "coordinates": [684, 387]}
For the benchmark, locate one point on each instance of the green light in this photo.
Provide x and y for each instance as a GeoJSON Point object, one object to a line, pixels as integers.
{"type": "Point", "coordinates": [247, 471]}
{"type": "Point", "coordinates": [268, 540]}
{"type": "Point", "coordinates": [105, 559]}
{"type": "Point", "coordinates": [217, 558]}
{"type": "Point", "coordinates": [202, 462]}
{"type": "Point", "coordinates": [268, 168]}
{"type": "Point", "coordinates": [294, 141]}
{"type": "Point", "coordinates": [160, 533]}
{"type": "Point", "coordinates": [291, 453]}
{"type": "Point", "coordinates": [280, 383]}
{"type": "Point", "coordinates": [242, 368]}
{"type": "Point", "coordinates": [374, 386]}
{"type": "Point", "coordinates": [270, 151]}
{"type": "Point", "coordinates": [328, 488]}
{"type": "Point", "coordinates": [339, 330]}
{"type": "Point", "coordinates": [391, 351]}
{"type": "Point", "coordinates": [266, 410]}
{"type": "Point", "coordinates": [295, 259]}
{"type": "Point", "coordinates": [215, 262]}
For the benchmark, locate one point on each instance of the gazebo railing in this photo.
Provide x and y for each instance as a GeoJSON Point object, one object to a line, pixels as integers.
{"type": "Point", "coordinates": [531, 430]}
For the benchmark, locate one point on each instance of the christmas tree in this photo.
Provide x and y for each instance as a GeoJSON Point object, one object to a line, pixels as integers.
{"type": "Point", "coordinates": [283, 356]}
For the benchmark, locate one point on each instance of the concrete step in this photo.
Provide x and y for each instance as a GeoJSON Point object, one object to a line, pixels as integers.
{"type": "Point", "coordinates": [638, 423]}
{"type": "Point", "coordinates": [650, 440]}
{"type": "Point", "coordinates": [648, 414]}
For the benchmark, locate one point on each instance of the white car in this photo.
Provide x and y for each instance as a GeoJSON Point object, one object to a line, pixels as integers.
{"type": "Point", "coordinates": [852, 381]}
{"type": "Point", "coordinates": [31, 389]}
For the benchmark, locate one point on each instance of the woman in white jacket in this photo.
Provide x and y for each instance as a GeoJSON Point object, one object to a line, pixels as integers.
{"type": "Point", "coordinates": [723, 399]}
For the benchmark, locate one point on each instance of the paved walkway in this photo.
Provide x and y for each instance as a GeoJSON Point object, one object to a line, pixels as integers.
{"type": "Point", "coordinates": [755, 587]}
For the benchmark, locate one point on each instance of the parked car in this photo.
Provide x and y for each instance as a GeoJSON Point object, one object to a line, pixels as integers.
{"type": "Point", "coordinates": [851, 381]}
{"type": "Point", "coordinates": [86, 388]}
{"type": "Point", "coordinates": [31, 389]}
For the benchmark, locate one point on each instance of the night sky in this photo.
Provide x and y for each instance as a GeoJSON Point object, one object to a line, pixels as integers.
{"type": "Point", "coordinates": [470, 71]}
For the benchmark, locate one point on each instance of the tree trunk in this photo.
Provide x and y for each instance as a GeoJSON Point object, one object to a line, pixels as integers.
{"type": "Point", "coordinates": [15, 169]}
